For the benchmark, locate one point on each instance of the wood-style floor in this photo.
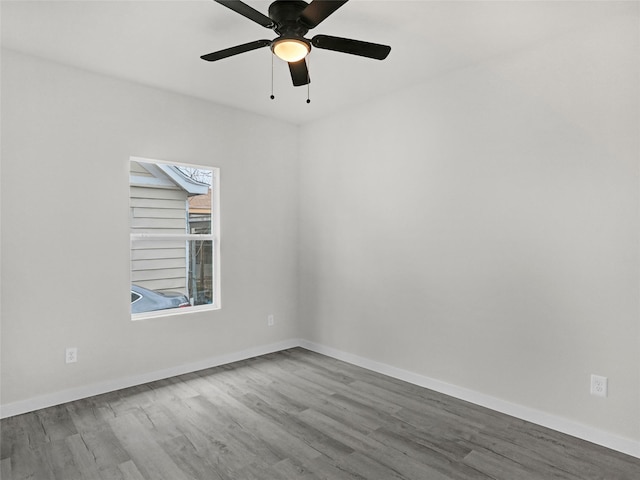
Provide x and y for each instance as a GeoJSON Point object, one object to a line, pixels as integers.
{"type": "Point", "coordinates": [291, 415]}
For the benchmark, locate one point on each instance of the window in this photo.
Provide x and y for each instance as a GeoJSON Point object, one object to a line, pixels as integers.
{"type": "Point", "coordinates": [175, 247]}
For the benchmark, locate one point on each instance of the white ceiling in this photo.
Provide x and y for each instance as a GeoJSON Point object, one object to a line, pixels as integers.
{"type": "Point", "coordinates": [159, 43]}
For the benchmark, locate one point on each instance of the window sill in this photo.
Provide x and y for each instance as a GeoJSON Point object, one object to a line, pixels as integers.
{"type": "Point", "coordinates": [173, 312]}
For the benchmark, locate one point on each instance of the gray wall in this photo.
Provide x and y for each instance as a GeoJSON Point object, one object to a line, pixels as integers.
{"type": "Point", "coordinates": [67, 136]}
{"type": "Point", "coordinates": [481, 229]}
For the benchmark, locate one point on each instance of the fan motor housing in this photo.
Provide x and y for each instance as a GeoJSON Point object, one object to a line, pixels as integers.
{"type": "Point", "coordinates": [285, 14]}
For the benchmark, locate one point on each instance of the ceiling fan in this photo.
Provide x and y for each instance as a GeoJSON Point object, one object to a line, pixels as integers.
{"type": "Point", "coordinates": [291, 20]}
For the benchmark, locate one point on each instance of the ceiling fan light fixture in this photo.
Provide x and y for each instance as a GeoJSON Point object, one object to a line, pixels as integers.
{"type": "Point", "coordinates": [290, 49]}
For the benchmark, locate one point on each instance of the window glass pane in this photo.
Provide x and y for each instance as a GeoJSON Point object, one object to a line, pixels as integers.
{"type": "Point", "coordinates": [169, 273]}
{"type": "Point", "coordinates": [170, 199]}
{"type": "Point", "coordinates": [200, 214]}
{"type": "Point", "coordinates": [200, 206]}
{"type": "Point", "coordinates": [201, 272]}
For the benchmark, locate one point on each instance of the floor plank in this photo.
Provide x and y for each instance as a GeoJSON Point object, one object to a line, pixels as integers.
{"type": "Point", "coordinates": [291, 414]}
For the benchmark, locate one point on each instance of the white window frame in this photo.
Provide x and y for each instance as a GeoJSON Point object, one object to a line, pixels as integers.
{"type": "Point", "coordinates": [214, 237]}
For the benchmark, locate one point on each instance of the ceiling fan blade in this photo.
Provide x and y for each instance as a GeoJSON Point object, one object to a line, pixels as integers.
{"type": "Point", "coordinates": [229, 52]}
{"type": "Point", "coordinates": [354, 47]}
{"type": "Point", "coordinates": [248, 12]}
{"type": "Point", "coordinates": [299, 73]}
{"type": "Point", "coordinates": [318, 10]}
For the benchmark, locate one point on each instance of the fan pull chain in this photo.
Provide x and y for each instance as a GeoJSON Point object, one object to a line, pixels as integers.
{"type": "Point", "coordinates": [272, 95]}
{"type": "Point", "coordinates": [308, 79]}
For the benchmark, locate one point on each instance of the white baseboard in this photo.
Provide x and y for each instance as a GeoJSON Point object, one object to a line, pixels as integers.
{"type": "Point", "coordinates": [64, 396]}
{"type": "Point", "coordinates": [554, 422]}
{"type": "Point", "coordinates": [560, 424]}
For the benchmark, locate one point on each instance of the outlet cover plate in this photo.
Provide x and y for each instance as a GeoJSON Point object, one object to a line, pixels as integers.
{"type": "Point", "coordinates": [598, 386]}
{"type": "Point", "coordinates": [71, 355]}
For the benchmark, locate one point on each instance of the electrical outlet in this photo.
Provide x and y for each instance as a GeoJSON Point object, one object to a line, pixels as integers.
{"type": "Point", "coordinates": [270, 320]}
{"type": "Point", "coordinates": [71, 355]}
{"type": "Point", "coordinates": [598, 386]}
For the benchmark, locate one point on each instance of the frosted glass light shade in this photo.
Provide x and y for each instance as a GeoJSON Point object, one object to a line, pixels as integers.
{"type": "Point", "coordinates": [290, 49]}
